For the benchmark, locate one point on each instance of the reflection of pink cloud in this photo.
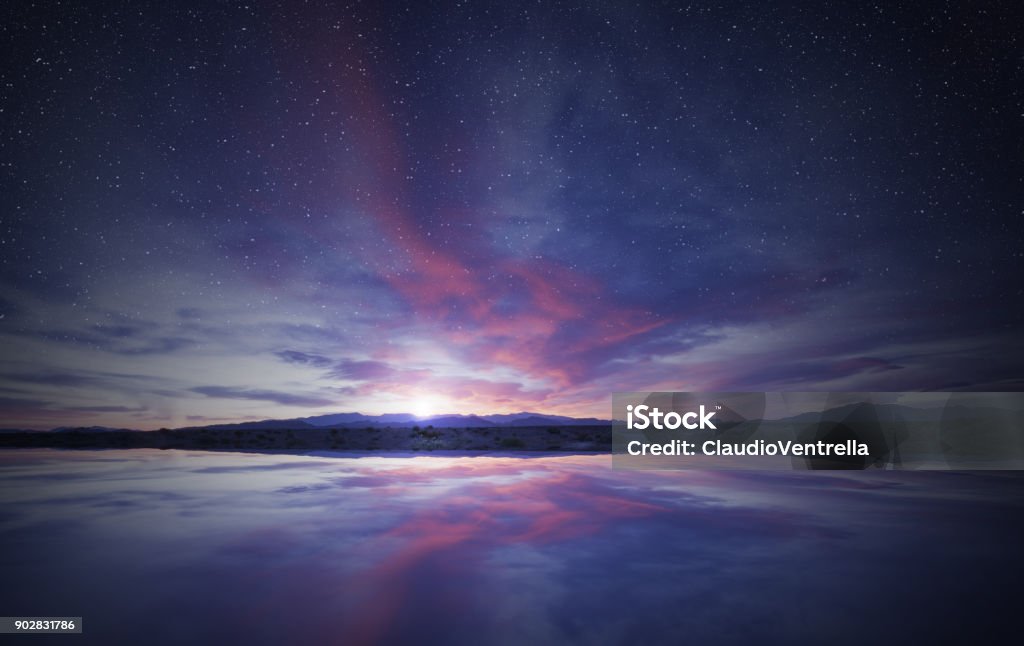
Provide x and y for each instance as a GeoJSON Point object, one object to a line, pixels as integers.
{"type": "Point", "coordinates": [497, 505]}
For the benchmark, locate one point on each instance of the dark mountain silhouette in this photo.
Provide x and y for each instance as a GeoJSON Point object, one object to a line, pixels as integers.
{"type": "Point", "coordinates": [406, 420]}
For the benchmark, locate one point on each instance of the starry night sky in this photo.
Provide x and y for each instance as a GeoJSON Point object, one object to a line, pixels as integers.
{"type": "Point", "coordinates": [239, 211]}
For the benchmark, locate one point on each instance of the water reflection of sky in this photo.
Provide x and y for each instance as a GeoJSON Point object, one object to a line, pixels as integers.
{"type": "Point", "coordinates": [197, 547]}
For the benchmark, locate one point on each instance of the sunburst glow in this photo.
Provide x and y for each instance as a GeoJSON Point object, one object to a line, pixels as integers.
{"type": "Point", "coordinates": [425, 406]}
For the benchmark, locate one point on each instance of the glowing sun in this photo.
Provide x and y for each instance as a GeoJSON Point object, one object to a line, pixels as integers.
{"type": "Point", "coordinates": [424, 406]}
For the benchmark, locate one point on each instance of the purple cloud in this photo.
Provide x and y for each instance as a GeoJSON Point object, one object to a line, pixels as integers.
{"type": "Point", "coordinates": [275, 396]}
{"type": "Point", "coordinates": [303, 358]}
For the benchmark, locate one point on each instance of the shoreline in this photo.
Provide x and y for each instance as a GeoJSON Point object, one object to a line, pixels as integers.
{"type": "Point", "coordinates": [558, 440]}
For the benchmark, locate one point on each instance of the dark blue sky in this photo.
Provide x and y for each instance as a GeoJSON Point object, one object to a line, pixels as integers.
{"type": "Point", "coordinates": [235, 211]}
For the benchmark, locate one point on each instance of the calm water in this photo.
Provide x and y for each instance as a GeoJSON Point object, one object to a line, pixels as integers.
{"type": "Point", "coordinates": [180, 547]}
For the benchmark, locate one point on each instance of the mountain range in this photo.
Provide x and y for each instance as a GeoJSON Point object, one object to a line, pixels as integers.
{"type": "Point", "coordinates": [406, 420]}
{"type": "Point", "coordinates": [886, 413]}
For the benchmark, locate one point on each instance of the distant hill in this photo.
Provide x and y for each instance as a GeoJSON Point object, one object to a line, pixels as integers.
{"type": "Point", "coordinates": [89, 429]}
{"type": "Point", "coordinates": [453, 421]}
{"type": "Point", "coordinates": [406, 420]}
{"type": "Point", "coordinates": [517, 419]}
{"type": "Point", "coordinates": [359, 420]}
{"type": "Point", "coordinates": [264, 424]}
{"type": "Point", "coordinates": [337, 418]}
{"type": "Point", "coordinates": [464, 439]}
{"type": "Point", "coordinates": [554, 420]}
{"type": "Point", "coordinates": [351, 419]}
{"type": "Point", "coordinates": [887, 413]}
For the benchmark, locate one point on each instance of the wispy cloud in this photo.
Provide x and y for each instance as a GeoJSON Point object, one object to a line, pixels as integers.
{"type": "Point", "coordinates": [303, 358]}
{"type": "Point", "coordinates": [255, 394]}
